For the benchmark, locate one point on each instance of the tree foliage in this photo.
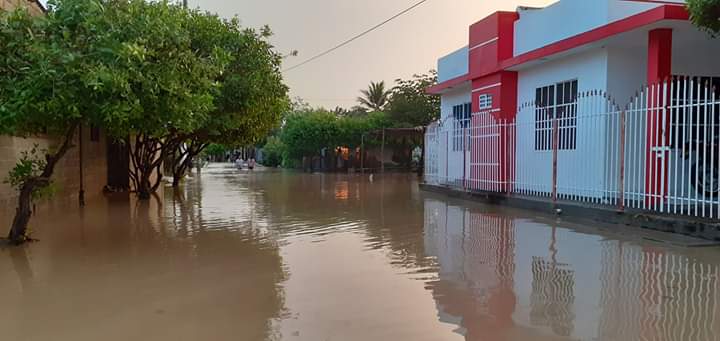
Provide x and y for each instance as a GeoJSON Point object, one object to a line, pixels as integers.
{"type": "Point", "coordinates": [172, 69]}
{"type": "Point", "coordinates": [705, 14]}
{"type": "Point", "coordinates": [410, 105]}
{"type": "Point", "coordinates": [308, 131]}
{"type": "Point", "coordinates": [154, 71]}
{"type": "Point", "coordinates": [250, 94]}
{"type": "Point", "coordinates": [375, 97]}
{"type": "Point", "coordinates": [273, 152]}
{"type": "Point", "coordinates": [59, 71]}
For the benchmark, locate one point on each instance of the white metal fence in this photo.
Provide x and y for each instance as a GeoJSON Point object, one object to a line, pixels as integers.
{"type": "Point", "coordinates": [657, 152]}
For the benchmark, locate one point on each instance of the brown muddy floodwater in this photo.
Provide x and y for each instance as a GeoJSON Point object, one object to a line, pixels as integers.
{"type": "Point", "coordinates": [289, 256]}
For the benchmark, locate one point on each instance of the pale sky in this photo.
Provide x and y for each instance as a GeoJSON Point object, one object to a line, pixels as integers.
{"type": "Point", "coordinates": [409, 44]}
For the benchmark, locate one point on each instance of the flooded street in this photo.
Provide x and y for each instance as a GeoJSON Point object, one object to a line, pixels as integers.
{"type": "Point", "coordinates": [276, 255]}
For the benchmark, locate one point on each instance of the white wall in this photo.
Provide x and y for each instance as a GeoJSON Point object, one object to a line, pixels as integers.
{"type": "Point", "coordinates": [567, 18]}
{"type": "Point", "coordinates": [561, 20]}
{"type": "Point", "coordinates": [619, 9]}
{"type": "Point", "coordinates": [627, 72]}
{"type": "Point", "coordinates": [457, 96]}
{"type": "Point", "coordinates": [453, 65]}
{"type": "Point", "coordinates": [580, 168]}
{"type": "Point", "coordinates": [589, 68]}
{"type": "Point", "coordinates": [695, 53]}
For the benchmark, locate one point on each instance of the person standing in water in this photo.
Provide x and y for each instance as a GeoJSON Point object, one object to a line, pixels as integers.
{"type": "Point", "coordinates": [251, 163]}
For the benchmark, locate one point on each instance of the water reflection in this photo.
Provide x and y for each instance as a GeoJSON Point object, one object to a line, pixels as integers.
{"type": "Point", "coordinates": [506, 276]}
{"type": "Point", "coordinates": [122, 270]}
{"type": "Point", "coordinates": [239, 255]}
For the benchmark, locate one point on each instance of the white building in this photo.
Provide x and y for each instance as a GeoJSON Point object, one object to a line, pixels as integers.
{"type": "Point", "coordinates": [569, 82]}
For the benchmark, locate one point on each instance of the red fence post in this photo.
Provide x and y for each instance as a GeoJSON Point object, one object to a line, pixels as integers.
{"type": "Point", "coordinates": [464, 158]}
{"type": "Point", "coordinates": [621, 162]}
{"type": "Point", "coordinates": [555, 161]}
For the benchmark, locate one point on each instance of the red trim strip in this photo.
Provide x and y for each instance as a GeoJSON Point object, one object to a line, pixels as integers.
{"type": "Point", "coordinates": [438, 88]}
{"type": "Point", "coordinates": [672, 3]}
{"type": "Point", "coordinates": [664, 12]}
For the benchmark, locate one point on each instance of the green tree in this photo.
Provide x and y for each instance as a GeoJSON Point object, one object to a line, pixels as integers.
{"type": "Point", "coordinates": [251, 95]}
{"type": "Point", "coordinates": [306, 133]}
{"type": "Point", "coordinates": [351, 128]}
{"type": "Point", "coordinates": [57, 72]}
{"type": "Point", "coordinates": [273, 152]}
{"type": "Point", "coordinates": [705, 14]}
{"type": "Point", "coordinates": [215, 151]}
{"type": "Point", "coordinates": [410, 105]}
{"type": "Point", "coordinates": [375, 97]}
{"type": "Point", "coordinates": [172, 77]}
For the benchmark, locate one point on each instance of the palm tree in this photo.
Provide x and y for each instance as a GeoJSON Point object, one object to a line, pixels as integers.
{"type": "Point", "coordinates": [375, 97]}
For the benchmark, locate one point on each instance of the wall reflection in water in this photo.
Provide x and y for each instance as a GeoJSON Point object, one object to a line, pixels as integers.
{"type": "Point", "coordinates": [509, 277]}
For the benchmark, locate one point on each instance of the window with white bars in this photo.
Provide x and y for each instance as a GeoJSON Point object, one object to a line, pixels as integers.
{"type": "Point", "coordinates": [485, 101]}
{"type": "Point", "coordinates": [461, 120]}
{"type": "Point", "coordinates": [556, 102]}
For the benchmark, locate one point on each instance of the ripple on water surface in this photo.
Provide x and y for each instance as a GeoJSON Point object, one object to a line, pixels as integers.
{"type": "Point", "coordinates": [273, 255]}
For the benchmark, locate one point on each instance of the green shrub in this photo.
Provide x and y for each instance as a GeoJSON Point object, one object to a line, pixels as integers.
{"type": "Point", "coordinates": [273, 152]}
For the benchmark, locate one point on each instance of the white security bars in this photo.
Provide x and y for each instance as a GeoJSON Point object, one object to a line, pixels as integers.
{"type": "Point", "coordinates": [432, 154]}
{"type": "Point", "coordinates": [659, 152]}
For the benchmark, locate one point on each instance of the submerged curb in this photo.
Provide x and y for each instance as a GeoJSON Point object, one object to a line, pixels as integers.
{"type": "Point", "coordinates": [703, 228]}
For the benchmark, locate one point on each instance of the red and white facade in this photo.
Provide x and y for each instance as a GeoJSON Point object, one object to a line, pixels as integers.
{"type": "Point", "coordinates": [577, 101]}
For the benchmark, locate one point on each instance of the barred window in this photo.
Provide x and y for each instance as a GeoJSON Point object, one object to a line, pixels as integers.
{"type": "Point", "coordinates": [485, 101]}
{"type": "Point", "coordinates": [461, 120]}
{"type": "Point", "coordinates": [558, 101]}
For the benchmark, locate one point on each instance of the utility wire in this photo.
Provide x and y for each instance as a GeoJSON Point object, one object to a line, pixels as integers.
{"type": "Point", "coordinates": [356, 37]}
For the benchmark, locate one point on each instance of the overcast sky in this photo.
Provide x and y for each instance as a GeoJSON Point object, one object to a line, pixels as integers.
{"type": "Point", "coordinates": [409, 44]}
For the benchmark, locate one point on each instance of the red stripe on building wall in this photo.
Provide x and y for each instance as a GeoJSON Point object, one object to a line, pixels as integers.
{"type": "Point", "coordinates": [451, 83]}
{"type": "Point", "coordinates": [664, 12]}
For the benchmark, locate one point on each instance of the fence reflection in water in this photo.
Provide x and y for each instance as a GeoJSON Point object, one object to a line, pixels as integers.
{"type": "Point", "coordinates": [505, 275]}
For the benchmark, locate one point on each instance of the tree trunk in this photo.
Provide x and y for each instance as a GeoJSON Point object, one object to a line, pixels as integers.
{"type": "Point", "coordinates": [144, 189]}
{"type": "Point", "coordinates": [176, 178]}
{"type": "Point", "coordinates": [182, 159]}
{"type": "Point", "coordinates": [18, 230]}
{"type": "Point", "coordinates": [146, 157]}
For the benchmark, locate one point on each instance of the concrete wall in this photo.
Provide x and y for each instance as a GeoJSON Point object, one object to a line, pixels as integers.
{"type": "Point", "coordinates": [453, 65]}
{"type": "Point", "coordinates": [695, 53]}
{"type": "Point", "coordinates": [619, 9]}
{"type": "Point", "coordinates": [66, 176]}
{"type": "Point", "coordinates": [627, 72]}
{"type": "Point", "coordinates": [32, 6]}
{"type": "Point", "coordinates": [457, 96]}
{"type": "Point", "coordinates": [537, 28]}
{"type": "Point", "coordinates": [579, 168]}
{"type": "Point", "coordinates": [589, 68]}
{"type": "Point", "coordinates": [453, 97]}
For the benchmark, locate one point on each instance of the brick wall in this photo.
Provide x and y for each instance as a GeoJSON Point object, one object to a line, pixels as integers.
{"type": "Point", "coordinates": [66, 176]}
{"type": "Point", "coordinates": [12, 4]}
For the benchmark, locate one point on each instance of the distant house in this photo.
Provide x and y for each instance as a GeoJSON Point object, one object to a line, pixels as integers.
{"type": "Point", "coordinates": [620, 94]}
